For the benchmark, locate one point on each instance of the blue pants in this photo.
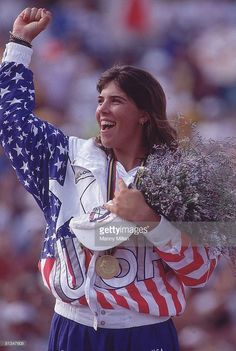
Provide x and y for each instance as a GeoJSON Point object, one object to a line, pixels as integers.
{"type": "Point", "coordinates": [66, 335]}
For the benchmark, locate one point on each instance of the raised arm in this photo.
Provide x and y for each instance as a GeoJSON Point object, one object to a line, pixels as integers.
{"type": "Point", "coordinates": [31, 144]}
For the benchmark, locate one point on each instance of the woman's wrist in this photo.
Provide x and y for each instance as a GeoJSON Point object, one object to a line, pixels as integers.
{"type": "Point", "coordinates": [148, 218]}
{"type": "Point", "coordinates": [19, 40]}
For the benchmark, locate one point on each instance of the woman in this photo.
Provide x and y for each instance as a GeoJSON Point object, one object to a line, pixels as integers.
{"type": "Point", "coordinates": [118, 295]}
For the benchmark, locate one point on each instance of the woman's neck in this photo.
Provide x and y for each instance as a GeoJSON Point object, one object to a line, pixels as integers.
{"type": "Point", "coordinates": [129, 160]}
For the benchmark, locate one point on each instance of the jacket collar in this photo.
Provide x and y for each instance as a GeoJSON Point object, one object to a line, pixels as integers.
{"type": "Point", "coordinates": [91, 157]}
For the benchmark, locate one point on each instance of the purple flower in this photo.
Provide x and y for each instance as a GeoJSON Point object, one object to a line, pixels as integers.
{"type": "Point", "coordinates": [194, 186]}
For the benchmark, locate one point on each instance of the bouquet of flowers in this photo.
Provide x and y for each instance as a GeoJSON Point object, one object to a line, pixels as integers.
{"type": "Point", "coordinates": [194, 185]}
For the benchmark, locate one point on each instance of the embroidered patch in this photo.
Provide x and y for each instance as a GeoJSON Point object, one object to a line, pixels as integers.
{"type": "Point", "coordinates": [81, 173]}
{"type": "Point", "coordinates": [98, 214]}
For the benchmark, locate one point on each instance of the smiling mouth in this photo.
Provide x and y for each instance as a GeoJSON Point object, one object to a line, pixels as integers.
{"type": "Point", "coordinates": [105, 125]}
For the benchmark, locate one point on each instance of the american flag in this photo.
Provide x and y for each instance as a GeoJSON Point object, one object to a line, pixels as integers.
{"type": "Point", "coordinates": [39, 154]}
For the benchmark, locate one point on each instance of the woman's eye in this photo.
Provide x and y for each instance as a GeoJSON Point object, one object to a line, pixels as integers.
{"type": "Point", "coordinates": [116, 101]}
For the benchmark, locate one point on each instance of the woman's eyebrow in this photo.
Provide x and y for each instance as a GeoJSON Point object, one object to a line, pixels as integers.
{"type": "Point", "coordinates": [113, 96]}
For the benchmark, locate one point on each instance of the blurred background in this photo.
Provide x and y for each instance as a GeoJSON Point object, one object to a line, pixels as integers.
{"type": "Point", "coordinates": [189, 46]}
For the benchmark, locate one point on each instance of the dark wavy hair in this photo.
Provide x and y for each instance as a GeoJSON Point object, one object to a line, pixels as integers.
{"type": "Point", "coordinates": [148, 95]}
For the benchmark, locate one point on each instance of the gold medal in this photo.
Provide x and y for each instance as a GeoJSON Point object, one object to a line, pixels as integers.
{"type": "Point", "coordinates": [107, 266]}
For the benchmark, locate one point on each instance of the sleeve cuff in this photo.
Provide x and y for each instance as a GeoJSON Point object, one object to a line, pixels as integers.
{"type": "Point", "coordinates": [165, 236]}
{"type": "Point", "coordinates": [17, 53]}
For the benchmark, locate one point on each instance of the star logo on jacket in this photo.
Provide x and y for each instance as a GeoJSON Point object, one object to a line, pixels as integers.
{"type": "Point", "coordinates": [81, 173]}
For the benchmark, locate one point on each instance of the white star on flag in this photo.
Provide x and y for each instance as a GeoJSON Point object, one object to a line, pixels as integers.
{"type": "Point", "coordinates": [18, 150]}
{"type": "Point", "coordinates": [39, 143]}
{"type": "Point", "coordinates": [10, 140]}
{"type": "Point", "coordinates": [25, 166]}
{"type": "Point", "coordinates": [54, 217]}
{"type": "Point", "coordinates": [18, 77]}
{"type": "Point", "coordinates": [58, 164]}
{"type": "Point", "coordinates": [23, 89]}
{"type": "Point", "coordinates": [7, 73]}
{"type": "Point", "coordinates": [15, 101]}
{"type": "Point", "coordinates": [4, 91]}
{"type": "Point", "coordinates": [62, 149]}
{"type": "Point", "coordinates": [26, 183]}
{"type": "Point", "coordinates": [70, 205]}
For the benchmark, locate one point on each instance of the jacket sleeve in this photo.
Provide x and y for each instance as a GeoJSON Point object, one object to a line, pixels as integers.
{"type": "Point", "coordinates": [192, 263]}
{"type": "Point", "coordinates": [35, 148]}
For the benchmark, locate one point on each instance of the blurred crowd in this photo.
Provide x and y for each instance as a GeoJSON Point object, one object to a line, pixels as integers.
{"type": "Point", "coordinates": [190, 47]}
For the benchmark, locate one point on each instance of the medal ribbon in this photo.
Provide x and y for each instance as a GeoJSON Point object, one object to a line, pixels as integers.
{"type": "Point", "coordinates": [107, 265]}
{"type": "Point", "coordinates": [111, 178]}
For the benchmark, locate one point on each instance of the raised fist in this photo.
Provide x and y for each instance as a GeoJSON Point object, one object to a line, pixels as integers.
{"type": "Point", "coordinates": [31, 22]}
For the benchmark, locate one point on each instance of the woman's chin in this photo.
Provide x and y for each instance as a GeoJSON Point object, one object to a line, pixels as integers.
{"type": "Point", "coordinates": [108, 144]}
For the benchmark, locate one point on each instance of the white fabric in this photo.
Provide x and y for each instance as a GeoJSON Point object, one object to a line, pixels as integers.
{"type": "Point", "coordinates": [17, 53]}
{"type": "Point", "coordinates": [128, 177]}
{"type": "Point", "coordinates": [111, 319]}
{"type": "Point", "coordinates": [92, 234]}
{"type": "Point", "coordinates": [88, 231]}
{"type": "Point", "coordinates": [165, 234]}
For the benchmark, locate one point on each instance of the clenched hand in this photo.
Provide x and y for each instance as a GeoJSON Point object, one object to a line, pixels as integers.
{"type": "Point", "coordinates": [130, 204]}
{"type": "Point", "coordinates": [30, 22]}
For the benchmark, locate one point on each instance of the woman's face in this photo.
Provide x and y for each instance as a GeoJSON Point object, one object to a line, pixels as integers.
{"type": "Point", "coordinates": [119, 119]}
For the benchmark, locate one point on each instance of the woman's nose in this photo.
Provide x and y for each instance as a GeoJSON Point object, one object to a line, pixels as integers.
{"type": "Point", "coordinates": [104, 106]}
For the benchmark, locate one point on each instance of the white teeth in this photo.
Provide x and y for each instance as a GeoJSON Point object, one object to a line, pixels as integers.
{"type": "Point", "coordinates": [107, 124]}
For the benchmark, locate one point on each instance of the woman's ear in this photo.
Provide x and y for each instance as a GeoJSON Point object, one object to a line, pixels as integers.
{"type": "Point", "coordinates": [144, 118]}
